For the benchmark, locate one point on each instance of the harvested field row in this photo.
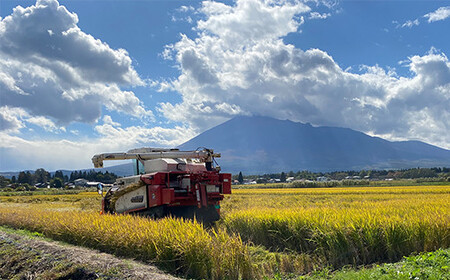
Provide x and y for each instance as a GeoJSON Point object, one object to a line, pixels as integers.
{"type": "Point", "coordinates": [263, 232]}
{"type": "Point", "coordinates": [181, 247]}
{"type": "Point", "coordinates": [23, 256]}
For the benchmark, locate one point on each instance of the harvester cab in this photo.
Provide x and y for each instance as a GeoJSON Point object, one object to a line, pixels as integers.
{"type": "Point", "coordinates": [168, 182]}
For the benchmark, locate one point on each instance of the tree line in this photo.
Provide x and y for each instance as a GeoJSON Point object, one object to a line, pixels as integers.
{"type": "Point", "coordinates": [42, 177]}
{"type": "Point", "coordinates": [442, 173]}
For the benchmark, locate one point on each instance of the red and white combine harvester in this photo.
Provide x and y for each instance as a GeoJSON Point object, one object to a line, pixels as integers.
{"type": "Point", "coordinates": [168, 182]}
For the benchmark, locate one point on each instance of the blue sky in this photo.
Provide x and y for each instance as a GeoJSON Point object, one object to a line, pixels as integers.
{"type": "Point", "coordinates": [85, 77]}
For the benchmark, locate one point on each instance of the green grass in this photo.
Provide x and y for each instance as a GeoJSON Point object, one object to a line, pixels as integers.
{"type": "Point", "coordinates": [432, 265]}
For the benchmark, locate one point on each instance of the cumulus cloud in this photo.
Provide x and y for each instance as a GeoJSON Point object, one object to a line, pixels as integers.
{"type": "Point", "coordinates": [135, 135]}
{"type": "Point", "coordinates": [52, 69]}
{"type": "Point", "coordinates": [250, 20]}
{"type": "Point", "coordinates": [440, 14]}
{"type": "Point", "coordinates": [108, 120]}
{"type": "Point", "coordinates": [45, 123]}
{"type": "Point", "coordinates": [239, 64]}
{"type": "Point", "coordinates": [13, 119]}
{"type": "Point", "coordinates": [60, 154]}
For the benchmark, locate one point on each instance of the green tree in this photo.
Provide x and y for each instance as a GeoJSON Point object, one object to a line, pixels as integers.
{"type": "Point", "coordinates": [240, 178]}
{"type": "Point", "coordinates": [57, 182]}
{"type": "Point", "coordinates": [24, 178]}
{"type": "Point", "coordinates": [59, 174]}
{"type": "Point", "coordinates": [41, 175]}
{"type": "Point", "coordinates": [283, 177]}
{"type": "Point", "coordinates": [4, 182]}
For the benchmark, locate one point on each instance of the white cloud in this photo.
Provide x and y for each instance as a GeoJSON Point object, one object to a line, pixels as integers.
{"type": "Point", "coordinates": [64, 154]}
{"type": "Point", "coordinates": [162, 85]}
{"type": "Point", "coordinates": [185, 9]}
{"type": "Point", "coordinates": [45, 123]}
{"type": "Point", "coordinates": [239, 64]}
{"type": "Point", "coordinates": [316, 15]}
{"type": "Point", "coordinates": [410, 23]}
{"type": "Point", "coordinates": [135, 135]}
{"type": "Point", "coordinates": [180, 14]}
{"type": "Point", "coordinates": [108, 120]}
{"type": "Point", "coordinates": [14, 119]}
{"type": "Point", "coordinates": [250, 20]}
{"type": "Point", "coordinates": [11, 119]}
{"type": "Point", "coordinates": [53, 70]}
{"type": "Point", "coordinates": [440, 14]}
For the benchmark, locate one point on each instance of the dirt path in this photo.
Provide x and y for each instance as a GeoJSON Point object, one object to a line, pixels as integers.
{"type": "Point", "coordinates": [25, 257]}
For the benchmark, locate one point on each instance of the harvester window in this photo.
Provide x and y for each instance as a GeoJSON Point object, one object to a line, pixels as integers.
{"type": "Point", "coordinates": [174, 181]}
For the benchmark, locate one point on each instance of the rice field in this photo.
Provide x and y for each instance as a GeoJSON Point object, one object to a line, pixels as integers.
{"type": "Point", "coordinates": [344, 226]}
{"type": "Point", "coordinates": [262, 233]}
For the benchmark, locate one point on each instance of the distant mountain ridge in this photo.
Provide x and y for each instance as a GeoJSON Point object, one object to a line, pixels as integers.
{"type": "Point", "coordinates": [257, 145]}
{"type": "Point", "coordinates": [263, 145]}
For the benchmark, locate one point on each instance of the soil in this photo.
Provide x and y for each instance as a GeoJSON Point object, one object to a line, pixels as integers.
{"type": "Point", "coordinates": [27, 257]}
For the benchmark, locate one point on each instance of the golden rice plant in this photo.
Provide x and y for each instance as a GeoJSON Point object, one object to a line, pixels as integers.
{"type": "Point", "coordinates": [262, 231]}
{"type": "Point", "coordinates": [346, 226]}
{"type": "Point", "coordinates": [175, 245]}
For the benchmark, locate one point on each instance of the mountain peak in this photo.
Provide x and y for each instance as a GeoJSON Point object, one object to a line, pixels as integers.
{"type": "Point", "coordinates": [258, 144]}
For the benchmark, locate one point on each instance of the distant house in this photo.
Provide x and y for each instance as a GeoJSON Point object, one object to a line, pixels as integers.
{"type": "Point", "coordinates": [92, 184]}
{"type": "Point", "coordinates": [322, 179]}
{"type": "Point", "coordinates": [42, 185]}
{"type": "Point", "coordinates": [80, 182]}
{"type": "Point", "coordinates": [248, 182]}
{"type": "Point", "coordinates": [289, 179]}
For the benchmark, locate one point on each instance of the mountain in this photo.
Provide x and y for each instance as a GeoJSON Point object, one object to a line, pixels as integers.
{"type": "Point", "coordinates": [122, 170]}
{"type": "Point", "coordinates": [256, 145]}
{"type": "Point", "coordinates": [263, 145]}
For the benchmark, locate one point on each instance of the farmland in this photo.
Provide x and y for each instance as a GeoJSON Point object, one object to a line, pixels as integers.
{"type": "Point", "coordinates": [263, 232]}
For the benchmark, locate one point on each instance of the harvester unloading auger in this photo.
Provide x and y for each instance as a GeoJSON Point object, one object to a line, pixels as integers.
{"type": "Point", "coordinates": [168, 182]}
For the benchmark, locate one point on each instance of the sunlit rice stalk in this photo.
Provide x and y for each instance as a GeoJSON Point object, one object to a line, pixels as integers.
{"type": "Point", "coordinates": [371, 232]}
{"type": "Point", "coordinates": [297, 228]}
{"type": "Point", "coordinates": [184, 247]}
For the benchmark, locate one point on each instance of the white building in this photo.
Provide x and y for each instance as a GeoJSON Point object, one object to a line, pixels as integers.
{"type": "Point", "coordinates": [322, 179]}
{"type": "Point", "coordinates": [80, 182]}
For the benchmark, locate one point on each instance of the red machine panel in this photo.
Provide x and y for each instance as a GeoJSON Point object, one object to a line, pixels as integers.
{"type": "Point", "coordinates": [167, 195]}
{"type": "Point", "coordinates": [154, 195]}
{"type": "Point", "coordinates": [225, 178]}
{"type": "Point", "coordinates": [158, 178]}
